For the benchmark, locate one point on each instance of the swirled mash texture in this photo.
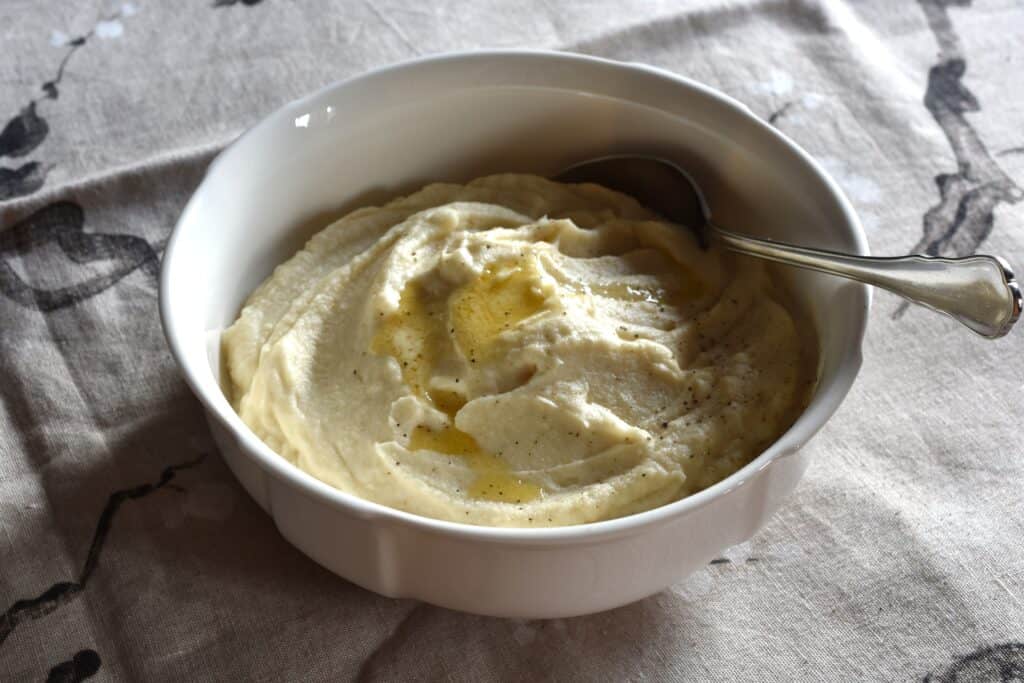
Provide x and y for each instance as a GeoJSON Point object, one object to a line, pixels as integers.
{"type": "Point", "coordinates": [518, 352]}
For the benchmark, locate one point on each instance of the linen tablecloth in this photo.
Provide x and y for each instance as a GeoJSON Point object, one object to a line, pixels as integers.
{"type": "Point", "coordinates": [128, 551]}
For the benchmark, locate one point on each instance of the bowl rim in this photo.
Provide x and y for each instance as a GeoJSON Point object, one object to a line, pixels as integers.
{"type": "Point", "coordinates": [822, 406]}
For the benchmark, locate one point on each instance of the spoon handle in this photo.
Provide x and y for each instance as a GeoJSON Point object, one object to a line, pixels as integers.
{"type": "Point", "coordinates": [978, 291]}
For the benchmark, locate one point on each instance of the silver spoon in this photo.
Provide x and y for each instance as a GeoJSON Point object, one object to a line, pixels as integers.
{"type": "Point", "coordinates": [978, 291]}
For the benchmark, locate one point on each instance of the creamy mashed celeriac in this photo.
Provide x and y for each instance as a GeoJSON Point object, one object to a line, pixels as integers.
{"type": "Point", "coordinates": [517, 352]}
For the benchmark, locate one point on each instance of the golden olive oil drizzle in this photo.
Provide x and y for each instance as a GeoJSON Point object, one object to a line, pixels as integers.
{"type": "Point", "coordinates": [493, 479]}
{"type": "Point", "coordinates": [689, 290]}
{"type": "Point", "coordinates": [475, 315]}
{"type": "Point", "coordinates": [503, 296]}
{"type": "Point", "coordinates": [412, 335]}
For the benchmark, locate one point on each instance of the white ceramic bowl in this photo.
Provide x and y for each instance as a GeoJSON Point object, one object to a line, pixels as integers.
{"type": "Point", "coordinates": [456, 117]}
